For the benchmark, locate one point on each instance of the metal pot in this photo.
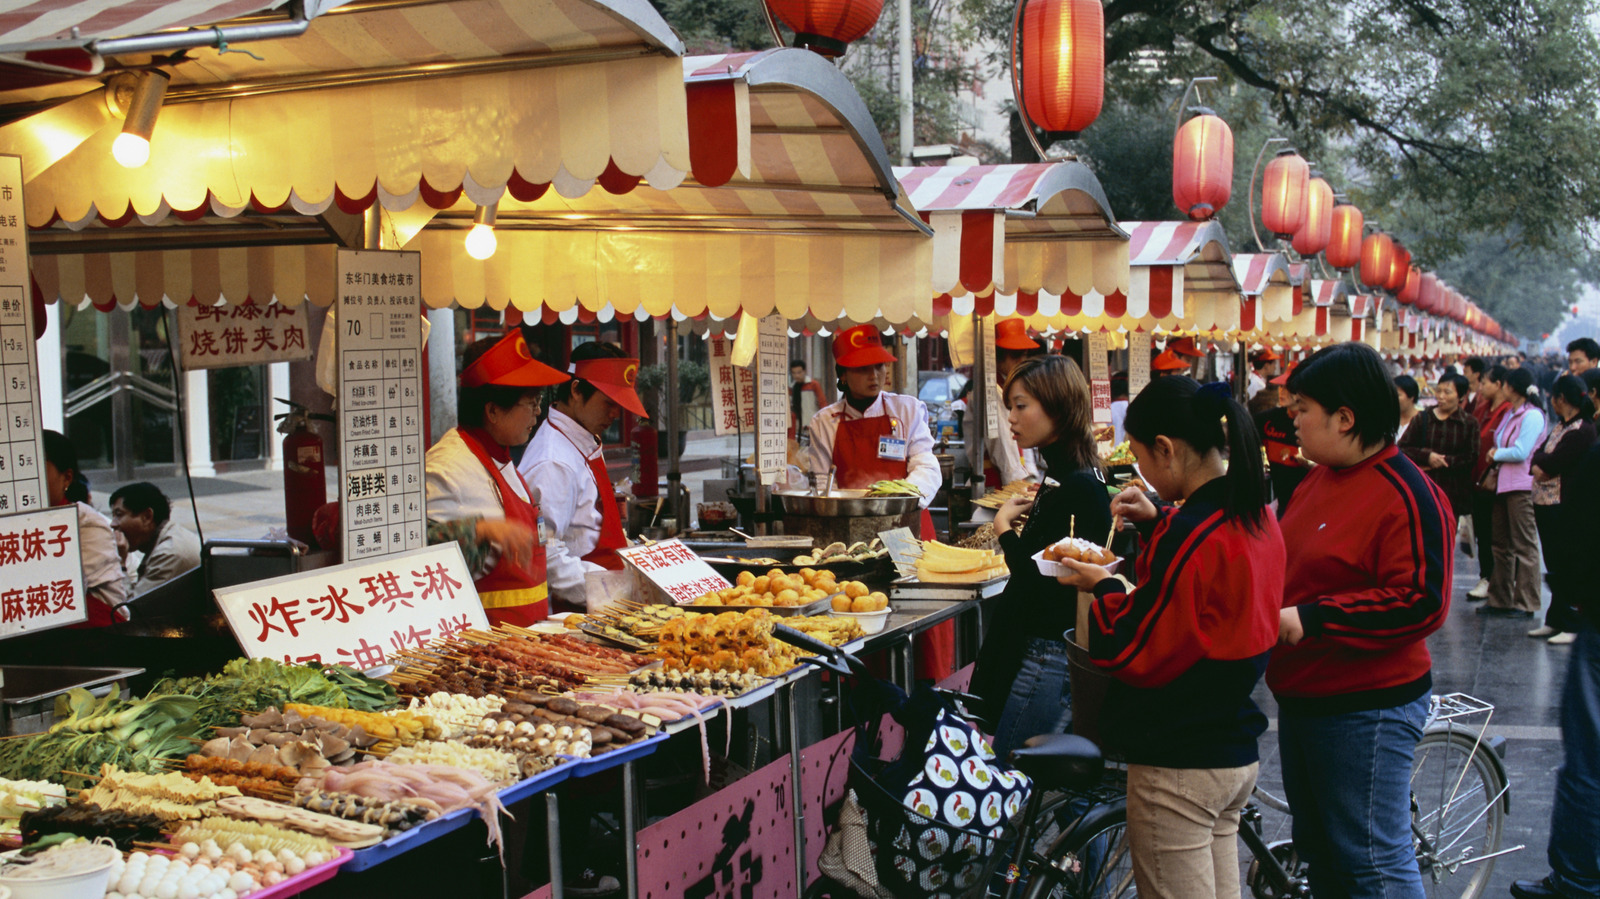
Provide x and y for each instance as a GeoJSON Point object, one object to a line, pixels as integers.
{"type": "Point", "coordinates": [850, 505]}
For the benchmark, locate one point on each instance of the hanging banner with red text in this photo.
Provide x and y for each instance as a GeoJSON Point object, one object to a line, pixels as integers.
{"type": "Point", "coordinates": [733, 391]}
{"type": "Point", "coordinates": [359, 614]}
{"type": "Point", "coordinates": [675, 568]}
{"type": "Point", "coordinates": [1097, 350]}
{"type": "Point", "coordinates": [41, 571]}
{"type": "Point", "coordinates": [241, 334]}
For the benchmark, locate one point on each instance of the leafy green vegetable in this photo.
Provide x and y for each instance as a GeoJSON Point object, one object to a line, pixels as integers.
{"type": "Point", "coordinates": [364, 693]}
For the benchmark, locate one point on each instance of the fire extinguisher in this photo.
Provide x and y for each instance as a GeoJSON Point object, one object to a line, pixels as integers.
{"type": "Point", "coordinates": [304, 488]}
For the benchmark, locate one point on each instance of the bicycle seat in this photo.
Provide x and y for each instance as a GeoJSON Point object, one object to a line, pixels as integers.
{"type": "Point", "coordinates": [1059, 761]}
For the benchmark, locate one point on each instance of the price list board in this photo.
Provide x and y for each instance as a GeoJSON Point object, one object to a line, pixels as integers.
{"type": "Point", "coordinates": [22, 487]}
{"type": "Point", "coordinates": [382, 506]}
{"type": "Point", "coordinates": [772, 420]}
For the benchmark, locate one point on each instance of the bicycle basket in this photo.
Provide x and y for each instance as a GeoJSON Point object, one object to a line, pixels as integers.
{"type": "Point", "coordinates": [916, 855]}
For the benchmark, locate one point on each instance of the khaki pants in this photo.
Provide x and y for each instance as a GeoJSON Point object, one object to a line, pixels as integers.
{"type": "Point", "coordinates": [1515, 584]}
{"type": "Point", "coordinates": [1183, 826]}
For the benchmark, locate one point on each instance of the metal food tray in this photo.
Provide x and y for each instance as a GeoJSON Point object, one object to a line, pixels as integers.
{"type": "Point", "coordinates": [606, 761]}
{"type": "Point", "coordinates": [836, 506]}
{"type": "Point", "coordinates": [426, 832]}
{"type": "Point", "coordinates": [811, 608]}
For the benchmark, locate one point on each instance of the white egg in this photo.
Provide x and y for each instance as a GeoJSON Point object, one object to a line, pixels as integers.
{"type": "Point", "coordinates": [158, 863]}
{"type": "Point", "coordinates": [240, 881]}
{"type": "Point", "coordinates": [274, 878]}
{"type": "Point", "coordinates": [140, 857]}
{"type": "Point", "coordinates": [314, 858]}
{"type": "Point", "coordinates": [147, 885]}
{"type": "Point", "coordinates": [128, 882]}
{"type": "Point", "coordinates": [227, 894]}
{"type": "Point", "coordinates": [211, 849]}
{"type": "Point", "coordinates": [131, 896]}
{"type": "Point", "coordinates": [214, 883]}
{"type": "Point", "coordinates": [191, 850]}
{"type": "Point", "coordinates": [294, 866]}
{"type": "Point", "coordinates": [263, 856]}
{"type": "Point", "coordinates": [113, 895]}
{"type": "Point", "coordinates": [239, 852]}
{"type": "Point", "coordinates": [285, 854]}
{"type": "Point", "coordinates": [167, 890]}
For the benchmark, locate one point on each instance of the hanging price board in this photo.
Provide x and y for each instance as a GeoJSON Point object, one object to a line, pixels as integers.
{"type": "Point", "coordinates": [22, 487]}
{"type": "Point", "coordinates": [382, 505]}
{"type": "Point", "coordinates": [772, 399]}
{"type": "Point", "coordinates": [1097, 350]}
{"type": "Point", "coordinates": [1138, 362]}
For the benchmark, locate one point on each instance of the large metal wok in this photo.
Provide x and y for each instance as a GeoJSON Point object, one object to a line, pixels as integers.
{"type": "Point", "coordinates": [846, 504]}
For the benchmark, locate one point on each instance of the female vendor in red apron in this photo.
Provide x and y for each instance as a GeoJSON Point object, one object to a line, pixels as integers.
{"type": "Point", "coordinates": [872, 435]}
{"type": "Point", "coordinates": [475, 495]}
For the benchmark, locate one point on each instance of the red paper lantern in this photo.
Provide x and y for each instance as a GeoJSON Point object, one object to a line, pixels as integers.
{"type": "Point", "coordinates": [1313, 237]}
{"type": "Point", "coordinates": [1344, 245]}
{"type": "Point", "coordinates": [1283, 193]}
{"type": "Point", "coordinates": [1413, 286]}
{"type": "Point", "coordinates": [1399, 266]}
{"type": "Point", "coordinates": [1428, 295]}
{"type": "Point", "coordinates": [1376, 252]}
{"type": "Point", "coordinates": [1063, 63]}
{"type": "Point", "coordinates": [827, 27]}
{"type": "Point", "coordinates": [1202, 166]}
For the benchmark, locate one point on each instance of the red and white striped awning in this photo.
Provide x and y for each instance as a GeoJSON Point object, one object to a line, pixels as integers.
{"type": "Point", "coordinates": [1182, 275]}
{"type": "Point", "coordinates": [1018, 229]}
{"type": "Point", "coordinates": [38, 26]}
{"type": "Point", "coordinates": [396, 103]}
{"type": "Point", "coordinates": [808, 221]}
{"type": "Point", "coordinates": [1268, 283]}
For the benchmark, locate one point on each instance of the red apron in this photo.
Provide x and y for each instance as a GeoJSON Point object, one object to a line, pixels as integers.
{"type": "Point", "coordinates": [512, 595]}
{"type": "Point", "coordinates": [611, 537]}
{"type": "Point", "coordinates": [855, 456]}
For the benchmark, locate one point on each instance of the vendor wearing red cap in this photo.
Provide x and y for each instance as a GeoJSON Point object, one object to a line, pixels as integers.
{"type": "Point", "coordinates": [1286, 466]}
{"type": "Point", "coordinates": [565, 465]}
{"type": "Point", "coordinates": [1003, 462]}
{"type": "Point", "coordinates": [1263, 365]}
{"type": "Point", "coordinates": [475, 496]}
{"type": "Point", "coordinates": [1167, 363]}
{"type": "Point", "coordinates": [872, 435]}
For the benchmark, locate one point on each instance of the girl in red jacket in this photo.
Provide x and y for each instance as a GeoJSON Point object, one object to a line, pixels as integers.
{"type": "Point", "coordinates": [1190, 642]}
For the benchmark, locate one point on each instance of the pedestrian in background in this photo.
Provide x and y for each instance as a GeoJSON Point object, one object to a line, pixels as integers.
{"type": "Point", "coordinates": [1488, 410]}
{"type": "Point", "coordinates": [1569, 436]}
{"type": "Point", "coordinates": [1407, 392]}
{"type": "Point", "coordinates": [1370, 560]}
{"type": "Point", "coordinates": [1514, 589]}
{"type": "Point", "coordinates": [1574, 847]}
{"type": "Point", "coordinates": [1443, 442]}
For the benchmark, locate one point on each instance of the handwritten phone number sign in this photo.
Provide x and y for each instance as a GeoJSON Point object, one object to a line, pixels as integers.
{"type": "Point", "coordinates": [41, 572]}
{"type": "Point", "coordinates": [676, 569]}
{"type": "Point", "coordinates": [360, 614]}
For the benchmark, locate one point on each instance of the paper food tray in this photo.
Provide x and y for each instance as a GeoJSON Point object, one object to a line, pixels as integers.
{"type": "Point", "coordinates": [1056, 569]}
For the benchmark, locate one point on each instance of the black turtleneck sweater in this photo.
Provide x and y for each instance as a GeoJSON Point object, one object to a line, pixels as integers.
{"type": "Point", "coordinates": [1033, 605]}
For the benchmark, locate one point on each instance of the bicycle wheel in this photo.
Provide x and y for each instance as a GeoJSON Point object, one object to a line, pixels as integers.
{"type": "Point", "coordinates": [1457, 812]}
{"type": "Point", "coordinates": [1092, 862]}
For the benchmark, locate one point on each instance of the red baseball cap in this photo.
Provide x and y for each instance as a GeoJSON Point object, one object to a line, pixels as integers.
{"type": "Point", "coordinates": [1265, 354]}
{"type": "Point", "coordinates": [1168, 361]}
{"type": "Point", "coordinates": [1012, 334]}
{"type": "Point", "coordinates": [509, 364]}
{"type": "Point", "coordinates": [613, 377]}
{"type": "Point", "coordinates": [1283, 379]}
{"type": "Point", "coordinates": [859, 347]}
{"type": "Point", "coordinates": [1184, 346]}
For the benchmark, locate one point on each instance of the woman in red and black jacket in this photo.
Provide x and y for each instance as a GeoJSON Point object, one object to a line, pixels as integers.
{"type": "Point", "coordinates": [1189, 643]}
{"type": "Point", "coordinates": [1368, 579]}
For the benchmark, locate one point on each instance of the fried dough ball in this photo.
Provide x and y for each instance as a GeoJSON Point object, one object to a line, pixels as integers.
{"type": "Point", "coordinates": [862, 604]}
{"type": "Point", "coordinates": [841, 603]}
{"type": "Point", "coordinates": [855, 589]}
{"type": "Point", "coordinates": [746, 578]}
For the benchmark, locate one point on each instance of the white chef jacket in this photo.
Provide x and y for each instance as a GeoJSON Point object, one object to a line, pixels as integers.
{"type": "Point", "coordinates": [556, 463]}
{"type": "Point", "coordinates": [1014, 464]}
{"type": "Point", "coordinates": [922, 469]}
{"type": "Point", "coordinates": [458, 486]}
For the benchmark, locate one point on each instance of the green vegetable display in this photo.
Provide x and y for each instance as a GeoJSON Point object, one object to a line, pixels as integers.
{"type": "Point", "coordinates": [135, 734]}
{"type": "Point", "coordinates": [252, 685]}
{"type": "Point", "coordinates": [365, 694]}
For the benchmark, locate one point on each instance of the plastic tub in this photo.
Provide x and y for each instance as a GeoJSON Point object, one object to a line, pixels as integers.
{"type": "Point", "coordinates": [89, 884]}
{"type": "Point", "coordinates": [871, 622]}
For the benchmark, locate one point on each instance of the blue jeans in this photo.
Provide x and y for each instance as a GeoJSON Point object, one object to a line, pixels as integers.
{"type": "Point", "coordinates": [1575, 819]}
{"type": "Point", "coordinates": [1040, 701]}
{"type": "Point", "coordinates": [1348, 779]}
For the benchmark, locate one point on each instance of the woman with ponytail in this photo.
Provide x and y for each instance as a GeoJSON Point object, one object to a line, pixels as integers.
{"type": "Point", "coordinates": [1188, 644]}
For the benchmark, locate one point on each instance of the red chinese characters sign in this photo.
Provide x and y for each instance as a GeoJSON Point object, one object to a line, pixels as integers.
{"type": "Point", "coordinates": [675, 568]}
{"type": "Point", "coordinates": [359, 614]}
{"type": "Point", "coordinates": [243, 334]}
{"type": "Point", "coordinates": [41, 571]}
{"type": "Point", "coordinates": [733, 391]}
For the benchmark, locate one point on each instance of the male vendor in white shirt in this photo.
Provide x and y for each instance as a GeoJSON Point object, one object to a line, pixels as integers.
{"type": "Point", "coordinates": [565, 465]}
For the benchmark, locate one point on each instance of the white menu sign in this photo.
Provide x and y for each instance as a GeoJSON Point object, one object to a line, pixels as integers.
{"type": "Point", "coordinates": [382, 506]}
{"type": "Point", "coordinates": [241, 334]}
{"type": "Point", "coordinates": [1138, 362]}
{"type": "Point", "coordinates": [991, 408]}
{"type": "Point", "coordinates": [675, 568]}
{"type": "Point", "coordinates": [359, 614]}
{"type": "Point", "coordinates": [21, 441]}
{"type": "Point", "coordinates": [1098, 348]}
{"type": "Point", "coordinates": [772, 399]}
{"type": "Point", "coordinates": [41, 572]}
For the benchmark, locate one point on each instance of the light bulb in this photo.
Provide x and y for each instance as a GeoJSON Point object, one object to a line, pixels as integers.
{"type": "Point", "coordinates": [481, 242]}
{"type": "Point", "coordinates": [130, 150]}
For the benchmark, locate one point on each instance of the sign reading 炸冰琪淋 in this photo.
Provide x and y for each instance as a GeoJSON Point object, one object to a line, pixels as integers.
{"type": "Point", "coordinates": [675, 569]}
{"type": "Point", "coordinates": [382, 507]}
{"type": "Point", "coordinates": [41, 571]}
{"type": "Point", "coordinates": [359, 614]}
{"type": "Point", "coordinates": [241, 334]}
